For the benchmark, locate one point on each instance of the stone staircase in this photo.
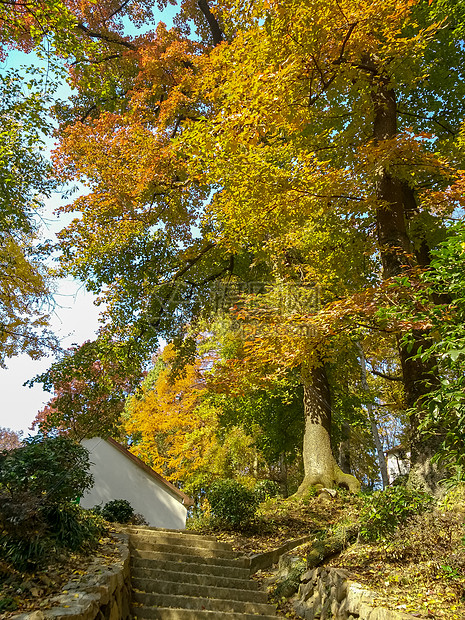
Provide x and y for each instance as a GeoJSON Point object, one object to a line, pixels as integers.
{"type": "Point", "coordinates": [183, 576]}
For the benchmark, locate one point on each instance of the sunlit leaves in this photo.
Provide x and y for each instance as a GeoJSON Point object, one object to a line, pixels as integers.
{"type": "Point", "coordinates": [25, 304]}
{"type": "Point", "coordinates": [170, 428]}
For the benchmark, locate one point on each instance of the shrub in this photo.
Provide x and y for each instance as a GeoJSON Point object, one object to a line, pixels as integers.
{"type": "Point", "coordinates": [38, 482]}
{"type": "Point", "coordinates": [266, 489]}
{"type": "Point", "coordinates": [232, 503]}
{"type": "Point", "coordinates": [118, 510]}
{"type": "Point", "coordinates": [74, 528]}
{"type": "Point", "coordinates": [385, 510]}
{"type": "Point", "coordinates": [434, 534]}
{"type": "Point", "coordinates": [53, 468]}
{"type": "Point", "coordinates": [46, 529]}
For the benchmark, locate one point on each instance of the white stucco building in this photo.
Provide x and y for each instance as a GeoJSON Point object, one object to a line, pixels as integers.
{"type": "Point", "coordinates": [118, 474]}
{"type": "Point", "coordinates": [397, 462]}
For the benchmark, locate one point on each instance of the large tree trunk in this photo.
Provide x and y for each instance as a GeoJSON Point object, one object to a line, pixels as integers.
{"type": "Point", "coordinates": [397, 202]}
{"type": "Point", "coordinates": [320, 467]}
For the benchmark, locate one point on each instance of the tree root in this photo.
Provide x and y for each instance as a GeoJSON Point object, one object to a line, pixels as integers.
{"type": "Point", "coordinates": [337, 479]}
{"type": "Point", "coordinates": [321, 549]}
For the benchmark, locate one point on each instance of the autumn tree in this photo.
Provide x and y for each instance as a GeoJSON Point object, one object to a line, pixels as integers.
{"type": "Point", "coordinates": [172, 425]}
{"type": "Point", "coordinates": [313, 139]}
{"type": "Point", "coordinates": [153, 268]}
{"type": "Point", "coordinates": [25, 179]}
{"type": "Point", "coordinates": [90, 384]}
{"type": "Point", "coordinates": [9, 440]}
{"type": "Point", "coordinates": [338, 108]}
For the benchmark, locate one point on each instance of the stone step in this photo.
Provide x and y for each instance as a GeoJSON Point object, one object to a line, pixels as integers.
{"type": "Point", "coordinates": [178, 566]}
{"type": "Point", "coordinates": [225, 580]}
{"type": "Point", "coordinates": [170, 613]}
{"type": "Point", "coordinates": [185, 549]}
{"type": "Point", "coordinates": [153, 531]}
{"type": "Point", "coordinates": [201, 603]}
{"type": "Point", "coordinates": [238, 562]}
{"type": "Point", "coordinates": [140, 540]}
{"type": "Point", "coordinates": [153, 586]}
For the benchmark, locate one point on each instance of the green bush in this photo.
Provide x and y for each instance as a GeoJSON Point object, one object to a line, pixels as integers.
{"type": "Point", "coordinates": [54, 468]}
{"type": "Point", "coordinates": [232, 503]}
{"type": "Point", "coordinates": [118, 510]}
{"type": "Point", "coordinates": [266, 489]}
{"type": "Point", "coordinates": [74, 528]}
{"type": "Point", "coordinates": [385, 510]}
{"type": "Point", "coordinates": [38, 482]}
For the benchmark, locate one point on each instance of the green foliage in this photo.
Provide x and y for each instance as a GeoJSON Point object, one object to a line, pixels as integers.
{"type": "Point", "coordinates": [266, 489]}
{"type": "Point", "coordinates": [385, 510]}
{"type": "Point", "coordinates": [454, 498]}
{"type": "Point", "coordinates": [38, 482]}
{"type": "Point", "coordinates": [232, 503]}
{"type": "Point", "coordinates": [74, 528]}
{"type": "Point", "coordinates": [47, 531]}
{"type": "Point", "coordinates": [277, 412]}
{"type": "Point", "coordinates": [438, 300]}
{"type": "Point", "coordinates": [456, 479]}
{"type": "Point", "coordinates": [118, 510]}
{"type": "Point", "coordinates": [25, 174]}
{"type": "Point", "coordinates": [8, 604]}
{"type": "Point", "coordinates": [25, 181]}
{"type": "Point", "coordinates": [56, 469]}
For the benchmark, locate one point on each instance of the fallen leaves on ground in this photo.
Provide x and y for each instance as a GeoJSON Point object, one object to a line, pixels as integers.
{"type": "Point", "coordinates": [22, 592]}
{"type": "Point", "coordinates": [420, 571]}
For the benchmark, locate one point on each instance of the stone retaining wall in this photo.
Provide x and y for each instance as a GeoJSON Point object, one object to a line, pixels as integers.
{"type": "Point", "coordinates": [261, 561]}
{"type": "Point", "coordinates": [329, 593]}
{"type": "Point", "coordinates": [102, 593]}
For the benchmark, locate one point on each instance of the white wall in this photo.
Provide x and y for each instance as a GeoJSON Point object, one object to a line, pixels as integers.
{"type": "Point", "coordinates": [397, 464]}
{"type": "Point", "coordinates": [117, 477]}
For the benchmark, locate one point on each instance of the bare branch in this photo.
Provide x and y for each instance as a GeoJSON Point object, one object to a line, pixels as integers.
{"type": "Point", "coordinates": [104, 37]}
{"type": "Point", "coordinates": [384, 376]}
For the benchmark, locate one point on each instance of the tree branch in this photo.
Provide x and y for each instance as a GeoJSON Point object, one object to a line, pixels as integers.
{"type": "Point", "coordinates": [217, 33]}
{"type": "Point", "coordinates": [120, 8]}
{"type": "Point", "coordinates": [92, 61]}
{"type": "Point", "coordinates": [95, 105]}
{"type": "Point", "coordinates": [429, 118]}
{"type": "Point", "coordinates": [103, 37]}
{"type": "Point", "coordinates": [384, 376]}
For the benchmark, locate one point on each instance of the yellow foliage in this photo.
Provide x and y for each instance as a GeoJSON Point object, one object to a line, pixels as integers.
{"type": "Point", "coordinates": [172, 432]}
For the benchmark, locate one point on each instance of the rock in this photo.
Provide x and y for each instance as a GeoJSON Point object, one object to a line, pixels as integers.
{"type": "Point", "coordinates": [45, 580]}
{"type": "Point", "coordinates": [329, 593]}
{"type": "Point", "coordinates": [356, 595]}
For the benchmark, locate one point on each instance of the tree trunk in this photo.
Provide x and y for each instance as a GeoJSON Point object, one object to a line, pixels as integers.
{"type": "Point", "coordinates": [320, 467]}
{"type": "Point", "coordinates": [397, 201]}
{"type": "Point", "coordinates": [344, 450]}
{"type": "Point", "coordinates": [373, 425]}
{"type": "Point", "coordinates": [283, 474]}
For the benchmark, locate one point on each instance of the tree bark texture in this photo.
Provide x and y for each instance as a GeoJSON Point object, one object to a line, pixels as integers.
{"type": "Point", "coordinates": [398, 202]}
{"type": "Point", "coordinates": [320, 467]}
{"type": "Point", "coordinates": [344, 449]}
